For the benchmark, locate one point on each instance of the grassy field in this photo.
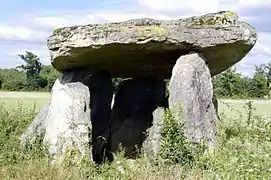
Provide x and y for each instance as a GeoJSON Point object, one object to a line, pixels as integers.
{"type": "Point", "coordinates": [244, 153]}
{"type": "Point", "coordinates": [28, 99]}
{"type": "Point", "coordinates": [233, 108]}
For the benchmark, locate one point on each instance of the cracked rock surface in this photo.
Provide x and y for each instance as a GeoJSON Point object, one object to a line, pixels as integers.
{"type": "Point", "coordinates": [148, 47]}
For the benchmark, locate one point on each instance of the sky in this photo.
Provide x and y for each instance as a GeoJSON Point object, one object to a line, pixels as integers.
{"type": "Point", "coordinates": [26, 24]}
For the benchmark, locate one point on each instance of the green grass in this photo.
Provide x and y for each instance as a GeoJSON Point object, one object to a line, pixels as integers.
{"type": "Point", "coordinates": [244, 152]}
{"type": "Point", "coordinates": [235, 108]}
{"type": "Point", "coordinates": [27, 103]}
{"type": "Point", "coordinates": [28, 99]}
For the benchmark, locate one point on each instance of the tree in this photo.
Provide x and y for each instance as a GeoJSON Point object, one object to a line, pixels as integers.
{"type": "Point", "coordinates": [32, 64]}
{"type": "Point", "coordinates": [50, 74]}
{"type": "Point", "coordinates": [258, 86]}
{"type": "Point", "coordinates": [32, 68]}
{"type": "Point", "coordinates": [229, 84]}
{"type": "Point", "coordinates": [1, 81]}
{"type": "Point", "coordinates": [267, 71]}
{"type": "Point", "coordinates": [13, 80]}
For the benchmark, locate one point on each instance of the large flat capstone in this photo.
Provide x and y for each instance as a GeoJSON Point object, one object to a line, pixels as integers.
{"type": "Point", "coordinates": [148, 47]}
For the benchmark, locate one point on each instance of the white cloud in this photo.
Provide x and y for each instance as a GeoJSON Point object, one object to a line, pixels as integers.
{"type": "Point", "coordinates": [21, 33]}
{"type": "Point", "coordinates": [51, 22]}
{"type": "Point", "coordinates": [180, 5]}
{"type": "Point", "coordinates": [18, 32]}
{"type": "Point", "coordinates": [117, 17]}
{"type": "Point", "coordinates": [260, 54]}
{"type": "Point", "coordinates": [199, 6]}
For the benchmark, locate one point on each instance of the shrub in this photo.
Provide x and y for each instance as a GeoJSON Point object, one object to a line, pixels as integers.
{"type": "Point", "coordinates": [176, 149]}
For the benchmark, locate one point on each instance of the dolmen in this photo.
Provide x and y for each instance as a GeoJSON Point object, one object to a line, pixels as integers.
{"type": "Point", "coordinates": [164, 64]}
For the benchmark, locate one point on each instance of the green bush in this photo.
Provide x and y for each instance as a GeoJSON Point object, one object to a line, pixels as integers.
{"type": "Point", "coordinates": [176, 149]}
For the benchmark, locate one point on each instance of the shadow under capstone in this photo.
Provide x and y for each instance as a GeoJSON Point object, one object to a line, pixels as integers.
{"type": "Point", "coordinates": [132, 113]}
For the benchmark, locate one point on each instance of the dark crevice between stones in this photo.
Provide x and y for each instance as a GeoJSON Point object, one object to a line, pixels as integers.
{"type": "Point", "coordinates": [101, 90]}
{"type": "Point", "coordinates": [135, 101]}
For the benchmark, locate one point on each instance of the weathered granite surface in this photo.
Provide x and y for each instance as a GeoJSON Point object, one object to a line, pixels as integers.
{"type": "Point", "coordinates": [191, 99]}
{"type": "Point", "coordinates": [148, 47]}
{"type": "Point", "coordinates": [68, 125]}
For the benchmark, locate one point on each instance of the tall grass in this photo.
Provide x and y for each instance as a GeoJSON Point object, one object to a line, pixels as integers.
{"type": "Point", "coordinates": [244, 153]}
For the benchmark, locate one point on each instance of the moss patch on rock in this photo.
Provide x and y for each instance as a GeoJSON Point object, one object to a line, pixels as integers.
{"type": "Point", "coordinates": [219, 19]}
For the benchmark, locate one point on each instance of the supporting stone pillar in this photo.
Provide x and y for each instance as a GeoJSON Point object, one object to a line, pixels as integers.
{"type": "Point", "coordinates": [68, 123]}
{"type": "Point", "coordinates": [67, 120]}
{"type": "Point", "coordinates": [191, 94]}
{"type": "Point", "coordinates": [36, 129]}
{"type": "Point", "coordinates": [134, 103]}
{"type": "Point", "coordinates": [153, 142]}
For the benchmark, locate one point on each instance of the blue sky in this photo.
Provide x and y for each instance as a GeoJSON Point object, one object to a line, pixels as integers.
{"type": "Point", "coordinates": [26, 24]}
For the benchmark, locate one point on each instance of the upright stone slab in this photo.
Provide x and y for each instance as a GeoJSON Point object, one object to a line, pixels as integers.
{"type": "Point", "coordinates": [36, 129]}
{"type": "Point", "coordinates": [68, 120]}
{"type": "Point", "coordinates": [134, 103]}
{"type": "Point", "coordinates": [153, 142]}
{"type": "Point", "coordinates": [190, 100]}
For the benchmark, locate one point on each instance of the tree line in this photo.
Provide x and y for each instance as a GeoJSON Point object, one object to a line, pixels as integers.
{"type": "Point", "coordinates": [231, 84]}
{"type": "Point", "coordinates": [32, 75]}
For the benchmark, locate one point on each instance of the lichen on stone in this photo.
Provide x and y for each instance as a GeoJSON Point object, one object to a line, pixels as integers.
{"type": "Point", "coordinates": [155, 30]}
{"type": "Point", "coordinates": [57, 31]}
{"type": "Point", "coordinates": [230, 13]}
{"type": "Point", "coordinates": [65, 33]}
{"type": "Point", "coordinates": [103, 27]}
{"type": "Point", "coordinates": [219, 19]}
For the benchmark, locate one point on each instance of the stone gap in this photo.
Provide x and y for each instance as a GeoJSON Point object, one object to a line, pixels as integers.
{"type": "Point", "coordinates": [135, 101]}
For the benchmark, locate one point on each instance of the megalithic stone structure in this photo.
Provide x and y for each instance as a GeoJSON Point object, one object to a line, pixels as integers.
{"type": "Point", "coordinates": [188, 51]}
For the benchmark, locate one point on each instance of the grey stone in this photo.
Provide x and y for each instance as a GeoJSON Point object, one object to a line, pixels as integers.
{"type": "Point", "coordinates": [134, 103]}
{"type": "Point", "coordinates": [69, 124]}
{"type": "Point", "coordinates": [68, 121]}
{"type": "Point", "coordinates": [36, 129]}
{"type": "Point", "coordinates": [153, 141]}
{"type": "Point", "coordinates": [148, 47]}
{"type": "Point", "coordinates": [190, 100]}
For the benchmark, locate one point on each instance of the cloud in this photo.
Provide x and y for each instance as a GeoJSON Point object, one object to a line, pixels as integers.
{"type": "Point", "coordinates": [20, 32]}
{"type": "Point", "coordinates": [10, 49]}
{"type": "Point", "coordinates": [199, 6]}
{"type": "Point", "coordinates": [260, 54]}
{"type": "Point", "coordinates": [8, 32]}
